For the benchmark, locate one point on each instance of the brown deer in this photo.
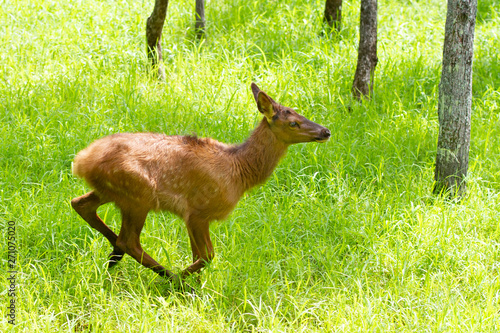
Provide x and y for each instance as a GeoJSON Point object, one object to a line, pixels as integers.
{"type": "Point", "coordinates": [198, 179]}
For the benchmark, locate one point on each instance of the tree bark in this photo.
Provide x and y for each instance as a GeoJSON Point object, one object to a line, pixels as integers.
{"type": "Point", "coordinates": [154, 28]}
{"type": "Point", "coordinates": [455, 98]}
{"type": "Point", "coordinates": [367, 50]}
{"type": "Point", "coordinates": [200, 18]}
{"type": "Point", "coordinates": [333, 13]}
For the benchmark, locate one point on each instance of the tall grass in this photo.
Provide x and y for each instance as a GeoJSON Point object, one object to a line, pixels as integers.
{"type": "Point", "coordinates": [345, 236]}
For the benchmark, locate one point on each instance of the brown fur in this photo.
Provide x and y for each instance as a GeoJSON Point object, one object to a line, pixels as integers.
{"type": "Point", "coordinates": [199, 179]}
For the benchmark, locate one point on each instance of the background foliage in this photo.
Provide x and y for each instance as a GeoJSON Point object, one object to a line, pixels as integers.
{"type": "Point", "coordinates": [345, 236]}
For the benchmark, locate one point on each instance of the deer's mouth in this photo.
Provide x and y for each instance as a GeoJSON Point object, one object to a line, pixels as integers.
{"type": "Point", "coordinates": [324, 135]}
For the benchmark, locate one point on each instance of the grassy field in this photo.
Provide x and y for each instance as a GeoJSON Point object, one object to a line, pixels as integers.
{"type": "Point", "coordinates": [344, 237]}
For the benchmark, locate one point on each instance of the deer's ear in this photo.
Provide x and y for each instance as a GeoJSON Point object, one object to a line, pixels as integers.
{"type": "Point", "coordinates": [255, 90]}
{"type": "Point", "coordinates": [265, 105]}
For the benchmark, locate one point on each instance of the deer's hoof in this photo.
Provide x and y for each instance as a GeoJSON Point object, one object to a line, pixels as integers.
{"type": "Point", "coordinates": [114, 257]}
{"type": "Point", "coordinates": [181, 286]}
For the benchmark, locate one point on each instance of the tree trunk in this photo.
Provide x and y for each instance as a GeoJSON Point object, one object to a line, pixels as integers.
{"type": "Point", "coordinates": [455, 97]}
{"type": "Point", "coordinates": [154, 27]}
{"type": "Point", "coordinates": [200, 18]}
{"type": "Point", "coordinates": [333, 13]}
{"type": "Point", "coordinates": [367, 50]}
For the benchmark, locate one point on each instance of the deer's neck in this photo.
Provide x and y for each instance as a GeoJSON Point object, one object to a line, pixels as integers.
{"type": "Point", "coordinates": [256, 158]}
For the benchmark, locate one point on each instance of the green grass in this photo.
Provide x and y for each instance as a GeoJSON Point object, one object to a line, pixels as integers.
{"type": "Point", "coordinates": [345, 236]}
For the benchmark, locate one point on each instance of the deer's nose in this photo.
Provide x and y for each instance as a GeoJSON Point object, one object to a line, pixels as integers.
{"type": "Point", "coordinates": [326, 133]}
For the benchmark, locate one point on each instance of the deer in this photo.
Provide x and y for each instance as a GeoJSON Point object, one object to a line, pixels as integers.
{"type": "Point", "coordinates": [198, 179]}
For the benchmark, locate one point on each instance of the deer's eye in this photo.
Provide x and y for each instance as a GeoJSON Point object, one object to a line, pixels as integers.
{"type": "Point", "coordinates": [293, 124]}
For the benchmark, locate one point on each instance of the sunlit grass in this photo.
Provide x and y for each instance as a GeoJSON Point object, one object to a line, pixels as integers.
{"type": "Point", "coordinates": [345, 236]}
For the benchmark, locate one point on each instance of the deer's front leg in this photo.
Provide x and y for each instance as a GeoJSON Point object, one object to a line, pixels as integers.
{"type": "Point", "coordinates": [201, 244]}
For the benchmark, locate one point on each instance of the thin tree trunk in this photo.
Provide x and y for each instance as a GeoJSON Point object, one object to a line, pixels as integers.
{"type": "Point", "coordinates": [333, 13]}
{"type": "Point", "coordinates": [367, 51]}
{"type": "Point", "coordinates": [200, 18]}
{"type": "Point", "coordinates": [154, 28]}
{"type": "Point", "coordinates": [455, 98]}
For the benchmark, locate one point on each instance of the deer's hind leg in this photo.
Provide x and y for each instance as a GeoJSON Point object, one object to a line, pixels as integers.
{"type": "Point", "coordinates": [86, 206]}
